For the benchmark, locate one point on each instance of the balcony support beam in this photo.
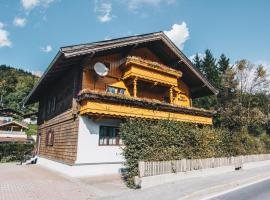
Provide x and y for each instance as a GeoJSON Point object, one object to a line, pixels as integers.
{"type": "Point", "coordinates": [135, 87]}
{"type": "Point", "coordinates": [171, 95]}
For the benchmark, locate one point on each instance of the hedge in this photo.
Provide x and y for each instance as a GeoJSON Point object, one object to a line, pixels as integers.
{"type": "Point", "coordinates": [159, 140]}
{"type": "Point", "coordinates": [14, 151]}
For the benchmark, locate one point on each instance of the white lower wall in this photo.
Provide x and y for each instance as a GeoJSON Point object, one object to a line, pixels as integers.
{"type": "Point", "coordinates": [92, 159]}
{"type": "Point", "coordinates": [89, 151]}
{"type": "Point", "coordinates": [80, 170]}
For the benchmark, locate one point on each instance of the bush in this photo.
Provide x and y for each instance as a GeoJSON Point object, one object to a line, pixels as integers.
{"type": "Point", "coordinates": [14, 151]}
{"type": "Point", "coordinates": [159, 140]}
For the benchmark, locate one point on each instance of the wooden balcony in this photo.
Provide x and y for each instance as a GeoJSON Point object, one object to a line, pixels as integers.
{"type": "Point", "coordinates": [138, 68]}
{"type": "Point", "coordinates": [119, 106]}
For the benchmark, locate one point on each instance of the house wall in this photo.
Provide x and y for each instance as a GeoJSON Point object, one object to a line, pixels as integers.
{"type": "Point", "coordinates": [57, 112]}
{"type": "Point", "coordinates": [94, 82]}
{"type": "Point", "coordinates": [65, 129]}
{"type": "Point", "coordinates": [89, 151]}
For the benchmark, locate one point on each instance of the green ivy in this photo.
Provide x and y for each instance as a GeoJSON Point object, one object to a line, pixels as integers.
{"type": "Point", "coordinates": [158, 140]}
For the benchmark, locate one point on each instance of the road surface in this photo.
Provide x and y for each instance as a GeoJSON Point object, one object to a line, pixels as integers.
{"type": "Point", "coordinates": [258, 191]}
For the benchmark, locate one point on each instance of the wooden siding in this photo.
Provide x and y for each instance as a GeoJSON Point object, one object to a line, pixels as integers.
{"type": "Point", "coordinates": [59, 93]}
{"type": "Point", "coordinates": [114, 78]}
{"type": "Point", "coordinates": [62, 120]}
{"type": "Point", "coordinates": [65, 128]}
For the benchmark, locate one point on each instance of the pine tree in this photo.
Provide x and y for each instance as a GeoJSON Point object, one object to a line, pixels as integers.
{"type": "Point", "coordinates": [198, 62]}
{"type": "Point", "coordinates": [223, 63]}
{"type": "Point", "coordinates": [210, 69]}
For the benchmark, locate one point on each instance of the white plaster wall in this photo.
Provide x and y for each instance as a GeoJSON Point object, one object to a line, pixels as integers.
{"type": "Point", "coordinates": [80, 170]}
{"type": "Point", "coordinates": [89, 152]}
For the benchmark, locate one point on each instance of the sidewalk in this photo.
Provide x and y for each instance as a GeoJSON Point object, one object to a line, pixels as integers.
{"type": "Point", "coordinates": [197, 188]}
{"type": "Point", "coordinates": [33, 182]}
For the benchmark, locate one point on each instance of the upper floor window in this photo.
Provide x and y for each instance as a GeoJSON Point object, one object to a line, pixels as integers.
{"type": "Point", "coordinates": [115, 90]}
{"type": "Point", "coordinates": [109, 135]}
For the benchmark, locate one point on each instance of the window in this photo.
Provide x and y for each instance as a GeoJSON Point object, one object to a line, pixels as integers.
{"type": "Point", "coordinates": [51, 106]}
{"type": "Point", "coordinates": [115, 90]}
{"type": "Point", "coordinates": [50, 137]}
{"type": "Point", "coordinates": [109, 135]}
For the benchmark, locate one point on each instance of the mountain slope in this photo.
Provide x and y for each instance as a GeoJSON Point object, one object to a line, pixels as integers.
{"type": "Point", "coordinates": [15, 85]}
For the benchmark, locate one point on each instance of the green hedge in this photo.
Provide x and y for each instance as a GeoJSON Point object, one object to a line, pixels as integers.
{"type": "Point", "coordinates": [146, 140]}
{"type": "Point", "coordinates": [14, 151]}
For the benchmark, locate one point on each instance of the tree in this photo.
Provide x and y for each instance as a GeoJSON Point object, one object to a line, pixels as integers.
{"type": "Point", "coordinates": [198, 62]}
{"type": "Point", "coordinates": [223, 63]}
{"type": "Point", "coordinates": [15, 85]}
{"type": "Point", "coordinates": [210, 69]}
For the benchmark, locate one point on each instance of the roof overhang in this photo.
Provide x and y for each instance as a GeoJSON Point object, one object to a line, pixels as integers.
{"type": "Point", "coordinates": [159, 43]}
{"type": "Point", "coordinates": [14, 122]}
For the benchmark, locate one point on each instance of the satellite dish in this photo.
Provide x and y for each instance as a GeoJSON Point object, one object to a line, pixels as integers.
{"type": "Point", "coordinates": [101, 69]}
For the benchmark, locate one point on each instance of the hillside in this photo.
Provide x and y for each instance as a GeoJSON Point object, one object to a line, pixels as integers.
{"type": "Point", "coordinates": [15, 85]}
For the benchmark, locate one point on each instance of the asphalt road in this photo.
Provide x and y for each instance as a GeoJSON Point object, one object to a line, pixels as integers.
{"type": "Point", "coordinates": [258, 191]}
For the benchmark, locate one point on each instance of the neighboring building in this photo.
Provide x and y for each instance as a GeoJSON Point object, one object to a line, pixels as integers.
{"type": "Point", "coordinates": [89, 89]}
{"type": "Point", "coordinates": [30, 118]}
{"type": "Point", "coordinates": [12, 131]}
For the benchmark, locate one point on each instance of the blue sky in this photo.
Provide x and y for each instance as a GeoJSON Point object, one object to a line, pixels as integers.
{"type": "Point", "coordinates": [31, 31]}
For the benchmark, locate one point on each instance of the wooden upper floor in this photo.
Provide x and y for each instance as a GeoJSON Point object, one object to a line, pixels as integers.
{"type": "Point", "coordinates": [141, 74]}
{"type": "Point", "coordinates": [142, 68]}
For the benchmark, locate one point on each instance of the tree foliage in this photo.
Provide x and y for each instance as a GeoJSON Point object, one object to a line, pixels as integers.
{"type": "Point", "coordinates": [243, 100]}
{"type": "Point", "coordinates": [15, 85]}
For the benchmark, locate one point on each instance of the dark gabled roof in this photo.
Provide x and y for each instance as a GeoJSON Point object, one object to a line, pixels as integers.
{"type": "Point", "coordinates": [157, 42]}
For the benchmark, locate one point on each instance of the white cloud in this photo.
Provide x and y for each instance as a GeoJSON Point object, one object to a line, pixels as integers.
{"type": "Point", "coordinates": [134, 4]}
{"type": "Point", "coordinates": [46, 49]}
{"type": "Point", "coordinates": [37, 73]}
{"type": "Point", "coordinates": [201, 56]}
{"type": "Point", "coordinates": [4, 40]}
{"type": "Point", "coordinates": [30, 4]}
{"type": "Point", "coordinates": [104, 11]}
{"type": "Point", "coordinates": [21, 22]}
{"type": "Point", "coordinates": [179, 34]}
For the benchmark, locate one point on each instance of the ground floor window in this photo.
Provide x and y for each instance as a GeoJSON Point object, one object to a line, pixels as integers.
{"type": "Point", "coordinates": [109, 135]}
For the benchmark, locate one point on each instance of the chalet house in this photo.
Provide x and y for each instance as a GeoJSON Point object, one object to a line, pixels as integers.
{"type": "Point", "coordinates": [11, 130]}
{"type": "Point", "coordinates": [89, 89]}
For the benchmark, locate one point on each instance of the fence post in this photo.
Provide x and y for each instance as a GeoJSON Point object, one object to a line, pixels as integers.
{"type": "Point", "coordinates": [141, 168]}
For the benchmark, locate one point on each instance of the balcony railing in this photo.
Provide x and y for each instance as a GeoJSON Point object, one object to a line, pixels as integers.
{"type": "Point", "coordinates": [12, 132]}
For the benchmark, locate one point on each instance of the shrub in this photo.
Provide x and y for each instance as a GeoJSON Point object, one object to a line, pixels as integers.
{"type": "Point", "coordinates": [158, 140]}
{"type": "Point", "coordinates": [14, 151]}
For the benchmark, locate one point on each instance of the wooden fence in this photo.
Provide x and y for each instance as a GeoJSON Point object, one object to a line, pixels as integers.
{"type": "Point", "coordinates": [184, 165]}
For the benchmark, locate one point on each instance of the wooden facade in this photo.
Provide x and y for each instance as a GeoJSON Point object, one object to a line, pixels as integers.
{"type": "Point", "coordinates": [150, 84]}
{"type": "Point", "coordinates": [65, 129]}
{"type": "Point", "coordinates": [155, 78]}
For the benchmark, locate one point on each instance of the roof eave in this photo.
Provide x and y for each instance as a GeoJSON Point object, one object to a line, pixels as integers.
{"type": "Point", "coordinates": [27, 100]}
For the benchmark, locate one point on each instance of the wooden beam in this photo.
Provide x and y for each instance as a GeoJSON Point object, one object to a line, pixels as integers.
{"type": "Point", "coordinates": [171, 95]}
{"type": "Point", "coordinates": [135, 87]}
